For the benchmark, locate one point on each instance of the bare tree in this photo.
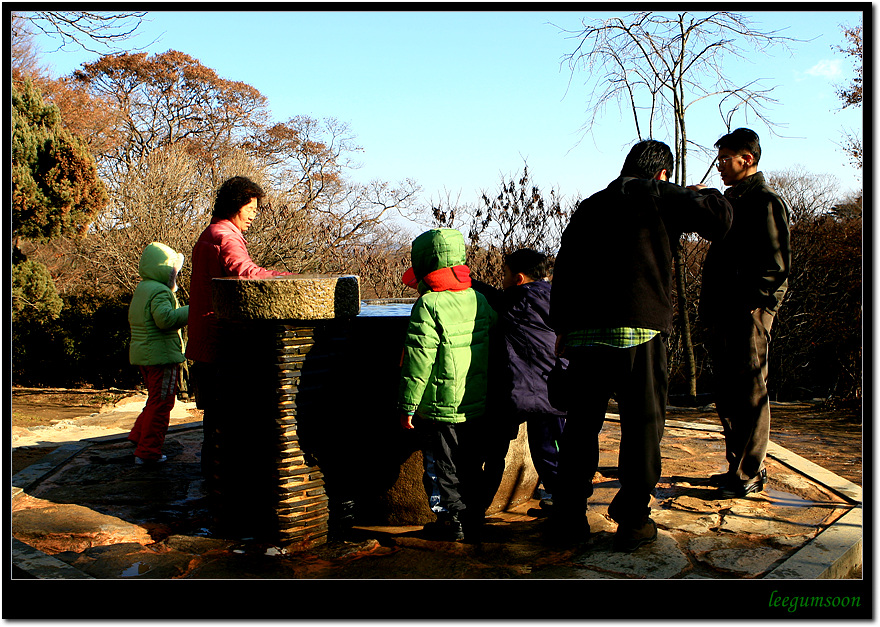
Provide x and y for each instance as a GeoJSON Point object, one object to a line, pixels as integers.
{"type": "Point", "coordinates": [317, 237]}
{"type": "Point", "coordinates": [658, 67]}
{"type": "Point", "coordinates": [380, 265]}
{"type": "Point", "coordinates": [517, 216]}
{"type": "Point", "coordinates": [820, 338]}
{"type": "Point", "coordinates": [24, 52]}
{"type": "Point", "coordinates": [520, 216]}
{"type": "Point", "coordinates": [808, 195]}
{"type": "Point", "coordinates": [161, 199]}
{"type": "Point", "coordinates": [178, 131]}
{"type": "Point", "coordinates": [98, 32]}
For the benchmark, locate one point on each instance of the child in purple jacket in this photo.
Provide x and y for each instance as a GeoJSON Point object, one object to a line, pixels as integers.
{"type": "Point", "coordinates": [522, 358]}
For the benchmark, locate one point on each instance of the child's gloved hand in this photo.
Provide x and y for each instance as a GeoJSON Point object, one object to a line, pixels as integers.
{"type": "Point", "coordinates": [406, 420]}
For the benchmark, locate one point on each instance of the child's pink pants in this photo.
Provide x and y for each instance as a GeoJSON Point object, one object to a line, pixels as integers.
{"type": "Point", "coordinates": [151, 426]}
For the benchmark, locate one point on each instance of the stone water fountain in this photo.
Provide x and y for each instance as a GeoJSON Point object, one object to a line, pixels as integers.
{"type": "Point", "coordinates": [307, 435]}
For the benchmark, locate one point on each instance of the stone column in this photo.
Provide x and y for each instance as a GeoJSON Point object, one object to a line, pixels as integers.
{"type": "Point", "coordinates": [283, 358]}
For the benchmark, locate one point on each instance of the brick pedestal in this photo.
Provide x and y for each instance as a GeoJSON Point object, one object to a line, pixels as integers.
{"type": "Point", "coordinates": [284, 344]}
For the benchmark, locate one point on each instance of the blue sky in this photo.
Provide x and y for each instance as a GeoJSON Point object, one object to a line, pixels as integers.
{"type": "Point", "coordinates": [456, 99]}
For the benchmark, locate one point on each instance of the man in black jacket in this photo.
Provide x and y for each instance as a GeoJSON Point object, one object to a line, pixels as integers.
{"type": "Point", "coordinates": [745, 277]}
{"type": "Point", "coordinates": [611, 306]}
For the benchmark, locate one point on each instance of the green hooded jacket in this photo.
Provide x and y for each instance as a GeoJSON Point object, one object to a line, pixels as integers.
{"type": "Point", "coordinates": [446, 350]}
{"type": "Point", "coordinates": [154, 315]}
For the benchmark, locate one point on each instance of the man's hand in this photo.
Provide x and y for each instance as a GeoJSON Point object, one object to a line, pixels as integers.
{"type": "Point", "coordinates": [560, 347]}
{"type": "Point", "coordinates": [406, 420]}
{"type": "Point", "coordinates": [697, 187]}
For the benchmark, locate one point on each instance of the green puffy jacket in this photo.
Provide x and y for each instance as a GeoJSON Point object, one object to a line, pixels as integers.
{"type": "Point", "coordinates": [446, 350]}
{"type": "Point", "coordinates": [154, 315]}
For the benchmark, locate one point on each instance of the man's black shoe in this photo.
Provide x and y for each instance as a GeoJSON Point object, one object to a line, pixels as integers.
{"type": "Point", "coordinates": [628, 539]}
{"type": "Point", "coordinates": [736, 488]}
{"type": "Point", "coordinates": [720, 479]}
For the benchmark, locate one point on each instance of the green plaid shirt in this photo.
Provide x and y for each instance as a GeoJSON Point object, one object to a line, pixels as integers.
{"type": "Point", "coordinates": [618, 337]}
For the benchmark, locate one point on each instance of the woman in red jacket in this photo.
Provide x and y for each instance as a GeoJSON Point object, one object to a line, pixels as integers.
{"type": "Point", "coordinates": [220, 251]}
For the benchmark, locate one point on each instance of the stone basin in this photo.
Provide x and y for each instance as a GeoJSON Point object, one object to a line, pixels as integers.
{"type": "Point", "coordinates": [297, 297]}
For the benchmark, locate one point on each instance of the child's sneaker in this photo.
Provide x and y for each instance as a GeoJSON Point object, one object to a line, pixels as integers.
{"type": "Point", "coordinates": [139, 461]}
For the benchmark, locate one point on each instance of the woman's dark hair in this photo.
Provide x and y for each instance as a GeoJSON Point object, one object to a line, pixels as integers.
{"type": "Point", "coordinates": [742, 140]}
{"type": "Point", "coordinates": [234, 194]}
{"type": "Point", "coordinates": [530, 262]}
{"type": "Point", "coordinates": [647, 158]}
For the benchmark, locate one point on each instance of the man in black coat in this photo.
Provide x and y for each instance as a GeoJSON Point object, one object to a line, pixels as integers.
{"type": "Point", "coordinates": [745, 277]}
{"type": "Point", "coordinates": [611, 306]}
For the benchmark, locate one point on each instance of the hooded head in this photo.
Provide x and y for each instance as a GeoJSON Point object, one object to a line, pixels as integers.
{"type": "Point", "coordinates": [436, 249]}
{"type": "Point", "coordinates": [161, 263]}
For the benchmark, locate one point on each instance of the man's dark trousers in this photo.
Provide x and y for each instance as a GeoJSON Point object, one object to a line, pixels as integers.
{"type": "Point", "coordinates": [637, 377]}
{"type": "Point", "coordinates": [740, 351]}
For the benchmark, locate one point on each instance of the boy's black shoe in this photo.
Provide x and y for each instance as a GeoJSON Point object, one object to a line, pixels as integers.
{"type": "Point", "coordinates": [736, 488]}
{"type": "Point", "coordinates": [446, 528]}
{"type": "Point", "coordinates": [629, 538]}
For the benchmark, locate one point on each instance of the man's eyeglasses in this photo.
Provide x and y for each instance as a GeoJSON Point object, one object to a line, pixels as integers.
{"type": "Point", "coordinates": [720, 162]}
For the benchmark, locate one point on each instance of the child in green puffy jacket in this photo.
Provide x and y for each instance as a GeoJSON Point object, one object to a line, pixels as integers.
{"type": "Point", "coordinates": [156, 346]}
{"type": "Point", "coordinates": [444, 378]}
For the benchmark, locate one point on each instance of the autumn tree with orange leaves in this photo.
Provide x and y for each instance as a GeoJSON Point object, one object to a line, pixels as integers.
{"type": "Point", "coordinates": [173, 130]}
{"type": "Point", "coordinates": [851, 95]}
{"type": "Point", "coordinates": [169, 99]}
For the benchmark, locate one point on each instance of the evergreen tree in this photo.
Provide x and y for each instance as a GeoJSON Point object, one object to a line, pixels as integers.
{"type": "Point", "coordinates": [55, 192]}
{"type": "Point", "coordinates": [33, 292]}
{"type": "Point", "coordinates": [55, 187]}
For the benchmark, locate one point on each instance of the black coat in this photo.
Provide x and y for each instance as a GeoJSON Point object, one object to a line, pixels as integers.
{"type": "Point", "coordinates": [614, 268]}
{"type": "Point", "coordinates": [749, 267]}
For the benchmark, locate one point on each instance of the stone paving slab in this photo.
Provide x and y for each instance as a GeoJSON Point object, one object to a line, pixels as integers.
{"type": "Point", "coordinates": [112, 421]}
{"type": "Point", "coordinates": [806, 525]}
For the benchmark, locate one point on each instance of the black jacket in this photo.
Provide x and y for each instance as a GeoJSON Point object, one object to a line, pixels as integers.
{"type": "Point", "coordinates": [614, 268]}
{"type": "Point", "coordinates": [748, 268]}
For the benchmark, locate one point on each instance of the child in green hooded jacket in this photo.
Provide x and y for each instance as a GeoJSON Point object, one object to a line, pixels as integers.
{"type": "Point", "coordinates": [444, 377]}
{"type": "Point", "coordinates": [155, 319]}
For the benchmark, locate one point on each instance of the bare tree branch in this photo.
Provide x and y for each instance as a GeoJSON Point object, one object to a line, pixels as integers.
{"type": "Point", "coordinates": [82, 28]}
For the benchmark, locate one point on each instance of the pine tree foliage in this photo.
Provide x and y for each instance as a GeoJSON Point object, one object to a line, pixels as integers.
{"type": "Point", "coordinates": [55, 187]}
{"type": "Point", "coordinates": [33, 292]}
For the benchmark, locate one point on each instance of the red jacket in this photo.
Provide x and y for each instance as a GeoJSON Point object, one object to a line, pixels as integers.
{"type": "Point", "coordinates": [220, 251]}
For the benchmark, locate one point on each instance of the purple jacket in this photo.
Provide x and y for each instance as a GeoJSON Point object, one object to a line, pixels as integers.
{"type": "Point", "coordinates": [523, 348]}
